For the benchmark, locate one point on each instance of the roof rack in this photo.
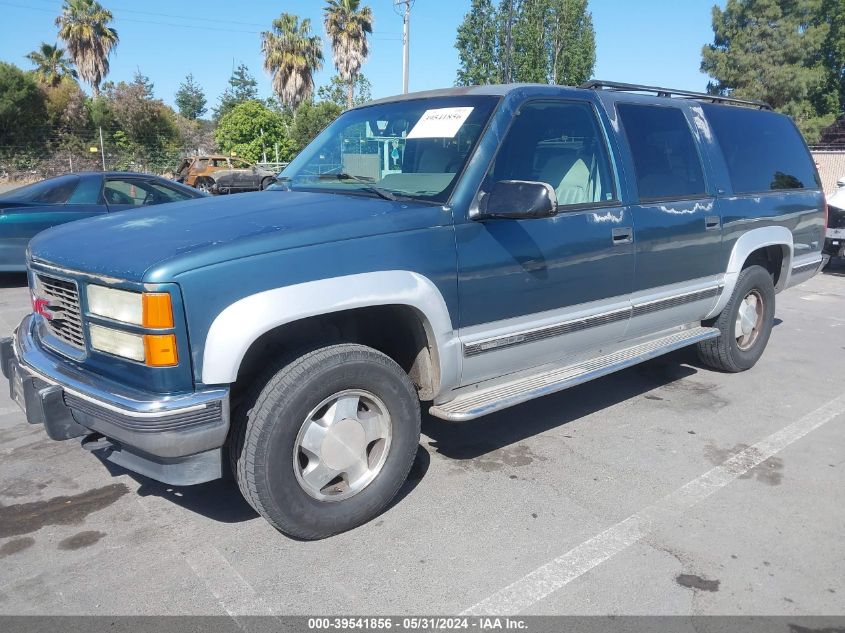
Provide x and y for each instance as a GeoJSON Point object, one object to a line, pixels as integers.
{"type": "Point", "coordinates": [669, 93]}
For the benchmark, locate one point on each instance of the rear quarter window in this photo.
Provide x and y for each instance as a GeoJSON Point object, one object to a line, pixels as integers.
{"type": "Point", "coordinates": [665, 156]}
{"type": "Point", "coordinates": [763, 150]}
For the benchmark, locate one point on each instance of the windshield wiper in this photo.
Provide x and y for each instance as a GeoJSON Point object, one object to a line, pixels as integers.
{"type": "Point", "coordinates": [381, 193]}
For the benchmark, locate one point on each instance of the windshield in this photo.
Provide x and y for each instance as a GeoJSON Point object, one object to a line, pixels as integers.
{"type": "Point", "coordinates": [406, 149]}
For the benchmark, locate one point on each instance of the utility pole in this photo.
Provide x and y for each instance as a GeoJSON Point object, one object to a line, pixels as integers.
{"type": "Point", "coordinates": [406, 39]}
{"type": "Point", "coordinates": [102, 149]}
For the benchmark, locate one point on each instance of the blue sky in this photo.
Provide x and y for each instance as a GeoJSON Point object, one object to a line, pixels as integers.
{"type": "Point", "coordinates": [648, 41]}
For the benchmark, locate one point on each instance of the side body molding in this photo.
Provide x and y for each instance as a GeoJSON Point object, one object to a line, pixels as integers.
{"type": "Point", "coordinates": [747, 244]}
{"type": "Point", "coordinates": [241, 323]}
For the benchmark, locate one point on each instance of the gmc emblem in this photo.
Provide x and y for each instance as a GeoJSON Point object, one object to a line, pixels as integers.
{"type": "Point", "coordinates": [42, 307]}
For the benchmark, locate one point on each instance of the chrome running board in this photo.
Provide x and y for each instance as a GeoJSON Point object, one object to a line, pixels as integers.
{"type": "Point", "coordinates": [474, 404]}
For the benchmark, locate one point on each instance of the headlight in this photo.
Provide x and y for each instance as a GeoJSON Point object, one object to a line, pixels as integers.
{"type": "Point", "coordinates": [152, 310]}
{"type": "Point", "coordinates": [118, 343]}
{"type": "Point", "coordinates": [156, 350]}
{"type": "Point", "coordinates": [148, 309]}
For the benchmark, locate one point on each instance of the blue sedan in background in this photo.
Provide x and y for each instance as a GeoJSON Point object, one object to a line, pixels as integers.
{"type": "Point", "coordinates": [33, 208]}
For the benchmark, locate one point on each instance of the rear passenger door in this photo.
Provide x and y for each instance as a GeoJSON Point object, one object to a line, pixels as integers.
{"type": "Point", "coordinates": [533, 291]}
{"type": "Point", "coordinates": [677, 226]}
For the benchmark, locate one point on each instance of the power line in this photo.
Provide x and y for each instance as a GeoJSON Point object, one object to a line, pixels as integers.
{"type": "Point", "coordinates": [377, 35]}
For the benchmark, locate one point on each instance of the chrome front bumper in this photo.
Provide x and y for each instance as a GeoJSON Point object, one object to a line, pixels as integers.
{"type": "Point", "coordinates": [173, 438]}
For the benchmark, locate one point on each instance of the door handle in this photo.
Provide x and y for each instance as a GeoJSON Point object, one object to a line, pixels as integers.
{"type": "Point", "coordinates": [712, 222]}
{"type": "Point", "coordinates": [623, 236]}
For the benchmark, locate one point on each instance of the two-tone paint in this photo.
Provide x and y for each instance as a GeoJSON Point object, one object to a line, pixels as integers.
{"type": "Point", "coordinates": [495, 295]}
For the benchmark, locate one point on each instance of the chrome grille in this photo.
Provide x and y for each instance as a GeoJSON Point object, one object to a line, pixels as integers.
{"type": "Point", "coordinates": [62, 298]}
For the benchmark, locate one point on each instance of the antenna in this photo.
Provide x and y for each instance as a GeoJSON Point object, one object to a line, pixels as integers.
{"type": "Point", "coordinates": [403, 7]}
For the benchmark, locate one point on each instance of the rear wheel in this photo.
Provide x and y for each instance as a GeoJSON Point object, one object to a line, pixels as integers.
{"type": "Point", "coordinates": [328, 440]}
{"type": "Point", "coordinates": [745, 324]}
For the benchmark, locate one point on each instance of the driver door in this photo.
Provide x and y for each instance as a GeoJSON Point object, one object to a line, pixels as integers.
{"type": "Point", "coordinates": [533, 291]}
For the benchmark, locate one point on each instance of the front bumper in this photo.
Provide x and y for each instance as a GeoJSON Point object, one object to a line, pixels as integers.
{"type": "Point", "coordinates": [834, 243]}
{"type": "Point", "coordinates": [176, 439]}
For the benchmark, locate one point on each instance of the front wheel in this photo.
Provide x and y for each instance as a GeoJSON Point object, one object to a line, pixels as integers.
{"type": "Point", "coordinates": [267, 182]}
{"type": "Point", "coordinates": [328, 441]}
{"type": "Point", "coordinates": [745, 324]}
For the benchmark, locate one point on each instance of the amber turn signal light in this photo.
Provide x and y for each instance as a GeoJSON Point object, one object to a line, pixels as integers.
{"type": "Point", "coordinates": [160, 350]}
{"type": "Point", "coordinates": [158, 312]}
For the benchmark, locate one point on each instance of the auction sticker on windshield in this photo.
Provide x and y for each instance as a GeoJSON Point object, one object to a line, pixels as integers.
{"type": "Point", "coordinates": [440, 123]}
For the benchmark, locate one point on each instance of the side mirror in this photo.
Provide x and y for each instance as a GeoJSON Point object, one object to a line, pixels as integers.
{"type": "Point", "coordinates": [518, 200]}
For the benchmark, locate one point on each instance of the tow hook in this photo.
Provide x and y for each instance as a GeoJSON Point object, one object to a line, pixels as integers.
{"type": "Point", "coordinates": [94, 442]}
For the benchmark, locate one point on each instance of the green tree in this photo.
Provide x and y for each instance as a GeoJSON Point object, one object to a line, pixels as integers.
{"type": "Point", "coordinates": [336, 91]}
{"type": "Point", "coordinates": [833, 51]}
{"type": "Point", "coordinates": [242, 88]}
{"type": "Point", "coordinates": [553, 42]}
{"type": "Point", "coordinates": [146, 126]}
{"type": "Point", "coordinates": [66, 111]}
{"type": "Point", "coordinates": [292, 54]}
{"type": "Point", "coordinates": [22, 110]}
{"type": "Point", "coordinates": [476, 43]}
{"type": "Point", "coordinates": [250, 129]}
{"type": "Point", "coordinates": [348, 24]}
{"type": "Point", "coordinates": [533, 41]}
{"type": "Point", "coordinates": [772, 50]}
{"type": "Point", "coordinates": [51, 65]}
{"type": "Point", "coordinates": [310, 119]}
{"type": "Point", "coordinates": [572, 42]}
{"type": "Point", "coordinates": [190, 99]}
{"type": "Point", "coordinates": [530, 43]}
{"type": "Point", "coordinates": [84, 27]}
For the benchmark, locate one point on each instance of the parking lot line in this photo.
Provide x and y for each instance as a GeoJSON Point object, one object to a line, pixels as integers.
{"type": "Point", "coordinates": [562, 570]}
{"type": "Point", "coordinates": [234, 594]}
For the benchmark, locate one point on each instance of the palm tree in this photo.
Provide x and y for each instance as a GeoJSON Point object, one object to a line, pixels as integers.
{"type": "Point", "coordinates": [83, 25]}
{"type": "Point", "coordinates": [51, 65]}
{"type": "Point", "coordinates": [347, 25]}
{"type": "Point", "coordinates": [292, 55]}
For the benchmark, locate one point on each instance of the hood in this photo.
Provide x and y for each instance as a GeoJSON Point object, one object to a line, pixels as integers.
{"type": "Point", "coordinates": [195, 233]}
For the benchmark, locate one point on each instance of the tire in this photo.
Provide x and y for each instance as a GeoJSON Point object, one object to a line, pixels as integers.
{"type": "Point", "coordinates": [733, 351]}
{"type": "Point", "coordinates": [266, 183]}
{"type": "Point", "coordinates": [266, 445]}
{"type": "Point", "coordinates": [204, 185]}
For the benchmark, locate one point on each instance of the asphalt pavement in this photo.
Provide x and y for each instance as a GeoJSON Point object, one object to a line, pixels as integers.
{"type": "Point", "coordinates": [664, 489]}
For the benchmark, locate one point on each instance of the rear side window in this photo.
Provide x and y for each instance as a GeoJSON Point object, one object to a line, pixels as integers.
{"type": "Point", "coordinates": [763, 150]}
{"type": "Point", "coordinates": [666, 161]}
{"type": "Point", "coordinates": [88, 192]}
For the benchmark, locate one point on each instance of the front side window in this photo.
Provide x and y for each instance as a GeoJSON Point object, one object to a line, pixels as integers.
{"type": "Point", "coordinates": [128, 192]}
{"type": "Point", "coordinates": [560, 144]}
{"type": "Point", "coordinates": [763, 150]}
{"type": "Point", "coordinates": [666, 161]}
{"type": "Point", "coordinates": [409, 149]}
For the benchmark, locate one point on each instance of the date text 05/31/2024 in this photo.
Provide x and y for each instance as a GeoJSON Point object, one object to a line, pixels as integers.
{"type": "Point", "coordinates": [417, 623]}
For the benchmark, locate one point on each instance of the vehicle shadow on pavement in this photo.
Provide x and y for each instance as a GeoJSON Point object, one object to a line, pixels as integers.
{"type": "Point", "coordinates": [222, 501]}
{"type": "Point", "coordinates": [218, 500]}
{"type": "Point", "coordinates": [13, 280]}
{"type": "Point", "coordinates": [469, 440]}
{"type": "Point", "coordinates": [836, 268]}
